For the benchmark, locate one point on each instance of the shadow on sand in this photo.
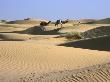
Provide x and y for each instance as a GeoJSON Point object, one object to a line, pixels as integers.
{"type": "Point", "coordinates": [40, 30]}
{"type": "Point", "coordinates": [37, 30]}
{"type": "Point", "coordinates": [101, 44]}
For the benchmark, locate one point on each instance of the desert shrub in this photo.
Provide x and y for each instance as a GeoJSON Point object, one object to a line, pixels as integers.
{"type": "Point", "coordinates": [3, 21]}
{"type": "Point", "coordinates": [73, 36]}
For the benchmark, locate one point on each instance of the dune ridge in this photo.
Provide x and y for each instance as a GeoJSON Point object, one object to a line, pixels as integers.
{"type": "Point", "coordinates": [97, 73]}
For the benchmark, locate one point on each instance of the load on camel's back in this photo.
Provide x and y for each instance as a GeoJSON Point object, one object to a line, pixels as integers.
{"type": "Point", "coordinates": [61, 22]}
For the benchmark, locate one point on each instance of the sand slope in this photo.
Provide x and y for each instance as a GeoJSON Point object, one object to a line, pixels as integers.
{"type": "Point", "coordinates": [101, 43]}
{"type": "Point", "coordinates": [20, 59]}
{"type": "Point", "coordinates": [98, 73]}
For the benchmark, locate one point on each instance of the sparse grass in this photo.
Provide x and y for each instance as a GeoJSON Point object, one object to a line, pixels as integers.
{"type": "Point", "coordinates": [97, 32]}
{"type": "Point", "coordinates": [103, 21]}
{"type": "Point", "coordinates": [3, 21]}
{"type": "Point", "coordinates": [70, 36]}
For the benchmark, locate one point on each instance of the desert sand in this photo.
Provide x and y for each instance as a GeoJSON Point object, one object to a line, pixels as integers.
{"type": "Point", "coordinates": [27, 57]}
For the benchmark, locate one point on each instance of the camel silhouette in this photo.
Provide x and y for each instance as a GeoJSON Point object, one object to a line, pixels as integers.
{"type": "Point", "coordinates": [65, 21]}
{"type": "Point", "coordinates": [58, 22]}
{"type": "Point", "coordinates": [43, 23]}
{"type": "Point", "coordinates": [61, 22]}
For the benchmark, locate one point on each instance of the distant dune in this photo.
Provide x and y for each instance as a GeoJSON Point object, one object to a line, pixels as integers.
{"type": "Point", "coordinates": [94, 21]}
{"type": "Point", "coordinates": [87, 21]}
{"type": "Point", "coordinates": [26, 21]}
{"type": "Point", "coordinates": [103, 21]}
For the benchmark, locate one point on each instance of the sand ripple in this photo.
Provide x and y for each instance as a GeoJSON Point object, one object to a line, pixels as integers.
{"type": "Point", "coordinates": [19, 60]}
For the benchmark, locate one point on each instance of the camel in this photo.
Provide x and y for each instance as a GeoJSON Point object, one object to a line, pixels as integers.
{"type": "Point", "coordinates": [43, 23]}
{"type": "Point", "coordinates": [60, 22]}
{"type": "Point", "coordinates": [66, 21]}
{"type": "Point", "coordinates": [76, 23]}
{"type": "Point", "coordinates": [27, 19]}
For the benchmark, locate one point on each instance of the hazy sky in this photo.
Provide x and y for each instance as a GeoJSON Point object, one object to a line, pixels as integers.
{"type": "Point", "coordinates": [54, 9]}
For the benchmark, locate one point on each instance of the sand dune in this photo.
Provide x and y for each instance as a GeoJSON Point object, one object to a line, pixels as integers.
{"type": "Point", "coordinates": [87, 28]}
{"type": "Point", "coordinates": [14, 37]}
{"type": "Point", "coordinates": [27, 37]}
{"type": "Point", "coordinates": [20, 59]}
{"type": "Point", "coordinates": [10, 28]}
{"type": "Point", "coordinates": [78, 28]}
{"type": "Point", "coordinates": [26, 21]}
{"type": "Point", "coordinates": [101, 43]}
{"type": "Point", "coordinates": [98, 73]}
{"type": "Point", "coordinates": [26, 56]}
{"type": "Point", "coordinates": [97, 32]}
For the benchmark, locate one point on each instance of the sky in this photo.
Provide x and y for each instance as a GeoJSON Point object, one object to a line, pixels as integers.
{"type": "Point", "coordinates": [54, 9]}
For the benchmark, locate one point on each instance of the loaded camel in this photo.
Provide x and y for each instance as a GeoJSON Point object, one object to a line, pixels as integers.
{"type": "Point", "coordinates": [60, 22]}
{"type": "Point", "coordinates": [66, 21]}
